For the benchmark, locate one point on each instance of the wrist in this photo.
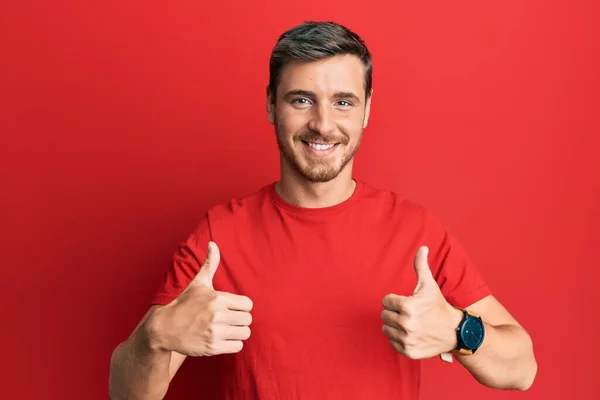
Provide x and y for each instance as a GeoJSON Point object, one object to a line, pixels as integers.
{"type": "Point", "coordinates": [455, 317]}
{"type": "Point", "coordinates": [152, 332]}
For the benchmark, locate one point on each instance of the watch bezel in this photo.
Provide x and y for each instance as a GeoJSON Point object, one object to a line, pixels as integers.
{"type": "Point", "coordinates": [461, 332]}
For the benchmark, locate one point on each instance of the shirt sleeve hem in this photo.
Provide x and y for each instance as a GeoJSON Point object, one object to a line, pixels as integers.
{"type": "Point", "coordinates": [470, 298]}
{"type": "Point", "coordinates": [166, 296]}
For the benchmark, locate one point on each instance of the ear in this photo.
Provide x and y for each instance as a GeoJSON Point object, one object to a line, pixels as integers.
{"type": "Point", "coordinates": [270, 105]}
{"type": "Point", "coordinates": [367, 109]}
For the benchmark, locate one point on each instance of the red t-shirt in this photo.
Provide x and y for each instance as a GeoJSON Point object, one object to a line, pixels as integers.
{"type": "Point", "coordinates": [317, 278]}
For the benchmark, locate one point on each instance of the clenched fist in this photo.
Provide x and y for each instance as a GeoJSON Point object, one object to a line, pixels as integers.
{"type": "Point", "coordinates": [422, 325]}
{"type": "Point", "coordinates": [202, 321]}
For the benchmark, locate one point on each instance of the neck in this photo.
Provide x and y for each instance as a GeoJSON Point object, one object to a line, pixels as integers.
{"type": "Point", "coordinates": [297, 190]}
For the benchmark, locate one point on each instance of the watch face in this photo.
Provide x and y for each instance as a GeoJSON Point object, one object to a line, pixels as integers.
{"type": "Point", "coordinates": [472, 333]}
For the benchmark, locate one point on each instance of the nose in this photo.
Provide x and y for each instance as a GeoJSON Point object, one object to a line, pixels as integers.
{"type": "Point", "coordinates": [322, 121]}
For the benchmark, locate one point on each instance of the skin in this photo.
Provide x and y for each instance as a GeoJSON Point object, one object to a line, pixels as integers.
{"type": "Point", "coordinates": [423, 326]}
{"type": "Point", "coordinates": [319, 102]}
{"type": "Point", "coordinates": [200, 322]}
{"type": "Point", "coordinates": [322, 102]}
{"type": "Point", "coordinates": [308, 107]}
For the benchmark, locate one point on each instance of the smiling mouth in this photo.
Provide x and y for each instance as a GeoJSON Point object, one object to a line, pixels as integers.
{"type": "Point", "coordinates": [320, 146]}
{"type": "Point", "coordinates": [319, 149]}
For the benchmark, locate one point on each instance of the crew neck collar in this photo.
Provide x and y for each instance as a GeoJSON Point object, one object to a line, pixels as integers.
{"type": "Point", "coordinates": [284, 204]}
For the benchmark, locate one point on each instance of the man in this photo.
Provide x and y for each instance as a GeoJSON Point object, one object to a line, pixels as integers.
{"type": "Point", "coordinates": [346, 287]}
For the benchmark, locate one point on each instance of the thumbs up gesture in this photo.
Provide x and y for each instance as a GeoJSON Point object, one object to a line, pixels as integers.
{"type": "Point", "coordinates": [202, 321]}
{"type": "Point", "coordinates": [422, 325]}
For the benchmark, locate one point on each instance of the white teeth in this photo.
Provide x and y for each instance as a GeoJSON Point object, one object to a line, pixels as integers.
{"type": "Point", "coordinates": [320, 147]}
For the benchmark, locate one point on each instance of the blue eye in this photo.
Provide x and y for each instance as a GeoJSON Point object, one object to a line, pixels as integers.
{"type": "Point", "coordinates": [301, 100]}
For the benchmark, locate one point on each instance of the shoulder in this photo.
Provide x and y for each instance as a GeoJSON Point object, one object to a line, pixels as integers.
{"type": "Point", "coordinates": [227, 216]}
{"type": "Point", "coordinates": [243, 206]}
{"type": "Point", "coordinates": [393, 209]}
{"type": "Point", "coordinates": [392, 203]}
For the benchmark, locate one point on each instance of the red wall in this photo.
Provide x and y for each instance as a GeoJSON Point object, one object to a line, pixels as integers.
{"type": "Point", "coordinates": [122, 121]}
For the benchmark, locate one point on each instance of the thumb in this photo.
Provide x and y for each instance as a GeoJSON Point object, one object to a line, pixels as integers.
{"type": "Point", "coordinates": [207, 270]}
{"type": "Point", "coordinates": [424, 276]}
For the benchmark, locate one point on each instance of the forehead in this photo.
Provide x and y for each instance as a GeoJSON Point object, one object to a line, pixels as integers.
{"type": "Point", "coordinates": [344, 73]}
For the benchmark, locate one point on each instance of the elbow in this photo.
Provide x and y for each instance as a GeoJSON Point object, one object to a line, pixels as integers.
{"type": "Point", "coordinates": [523, 371]}
{"type": "Point", "coordinates": [113, 396]}
{"type": "Point", "coordinates": [113, 375]}
{"type": "Point", "coordinates": [522, 383]}
{"type": "Point", "coordinates": [529, 376]}
{"type": "Point", "coordinates": [529, 372]}
{"type": "Point", "coordinates": [526, 383]}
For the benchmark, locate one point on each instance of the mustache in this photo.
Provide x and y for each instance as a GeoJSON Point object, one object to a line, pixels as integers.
{"type": "Point", "coordinates": [318, 138]}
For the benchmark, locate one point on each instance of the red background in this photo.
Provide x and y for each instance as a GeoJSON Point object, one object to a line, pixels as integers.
{"type": "Point", "coordinates": [122, 121]}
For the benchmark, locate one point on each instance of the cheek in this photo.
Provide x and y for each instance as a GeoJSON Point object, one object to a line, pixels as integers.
{"type": "Point", "coordinates": [351, 126]}
{"type": "Point", "coordinates": [291, 123]}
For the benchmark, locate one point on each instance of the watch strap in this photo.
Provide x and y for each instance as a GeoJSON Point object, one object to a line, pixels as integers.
{"type": "Point", "coordinates": [447, 357]}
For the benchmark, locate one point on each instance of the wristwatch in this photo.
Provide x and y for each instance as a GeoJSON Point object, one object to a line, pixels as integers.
{"type": "Point", "coordinates": [470, 333]}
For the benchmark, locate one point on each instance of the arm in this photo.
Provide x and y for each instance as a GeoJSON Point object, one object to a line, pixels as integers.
{"type": "Point", "coordinates": [506, 359]}
{"type": "Point", "coordinates": [198, 322]}
{"type": "Point", "coordinates": [424, 324]}
{"type": "Point", "coordinates": [138, 368]}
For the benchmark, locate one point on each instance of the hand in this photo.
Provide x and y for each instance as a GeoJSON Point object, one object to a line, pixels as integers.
{"type": "Point", "coordinates": [422, 325]}
{"type": "Point", "coordinates": [202, 321]}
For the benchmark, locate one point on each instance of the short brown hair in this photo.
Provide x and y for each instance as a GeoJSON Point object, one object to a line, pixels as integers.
{"type": "Point", "coordinates": [313, 41]}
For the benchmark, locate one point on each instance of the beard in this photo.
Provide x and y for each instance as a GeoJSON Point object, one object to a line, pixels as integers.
{"type": "Point", "coordinates": [316, 169]}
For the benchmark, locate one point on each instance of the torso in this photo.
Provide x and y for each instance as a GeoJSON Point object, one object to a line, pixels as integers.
{"type": "Point", "coordinates": [317, 282]}
{"type": "Point", "coordinates": [317, 278]}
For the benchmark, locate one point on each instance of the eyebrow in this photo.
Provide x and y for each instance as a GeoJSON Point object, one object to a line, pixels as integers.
{"type": "Point", "coordinates": [308, 93]}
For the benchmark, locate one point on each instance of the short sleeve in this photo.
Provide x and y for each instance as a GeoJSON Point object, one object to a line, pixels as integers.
{"type": "Point", "coordinates": [461, 283]}
{"type": "Point", "coordinates": [186, 262]}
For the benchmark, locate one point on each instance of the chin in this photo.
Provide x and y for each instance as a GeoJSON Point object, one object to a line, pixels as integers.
{"type": "Point", "coordinates": [320, 177]}
{"type": "Point", "coordinates": [319, 174]}
{"type": "Point", "coordinates": [311, 169]}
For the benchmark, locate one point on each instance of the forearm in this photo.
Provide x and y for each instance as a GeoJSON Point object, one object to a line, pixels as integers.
{"type": "Point", "coordinates": [139, 371]}
{"type": "Point", "coordinates": [505, 360]}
